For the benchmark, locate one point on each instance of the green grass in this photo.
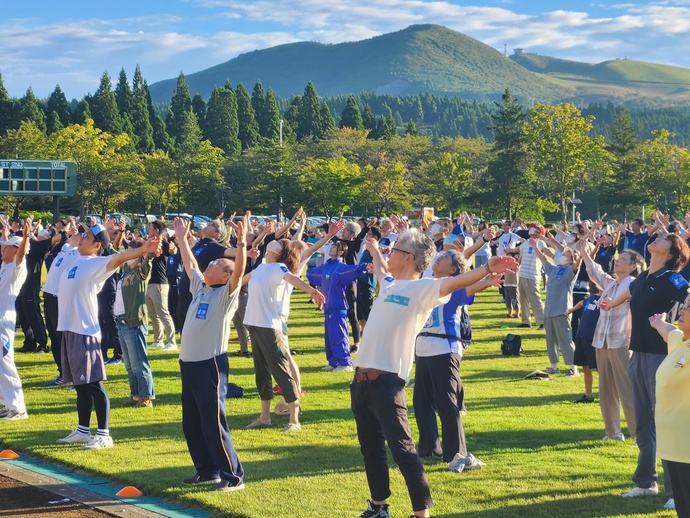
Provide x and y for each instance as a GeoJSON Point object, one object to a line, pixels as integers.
{"type": "Point", "coordinates": [544, 454]}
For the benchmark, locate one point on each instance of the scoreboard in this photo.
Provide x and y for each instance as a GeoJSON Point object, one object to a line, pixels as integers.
{"type": "Point", "coordinates": [38, 178]}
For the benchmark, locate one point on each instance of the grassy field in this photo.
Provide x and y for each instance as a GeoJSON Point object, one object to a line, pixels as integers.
{"type": "Point", "coordinates": [545, 455]}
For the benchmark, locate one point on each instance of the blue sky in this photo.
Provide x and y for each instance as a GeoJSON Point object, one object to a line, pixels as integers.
{"type": "Point", "coordinates": [71, 43]}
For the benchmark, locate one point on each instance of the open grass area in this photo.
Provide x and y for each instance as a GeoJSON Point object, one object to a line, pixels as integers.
{"type": "Point", "coordinates": [545, 455]}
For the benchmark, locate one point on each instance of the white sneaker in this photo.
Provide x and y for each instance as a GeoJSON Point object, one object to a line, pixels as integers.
{"type": "Point", "coordinates": [4, 411]}
{"type": "Point", "coordinates": [670, 504]}
{"type": "Point", "coordinates": [327, 368]}
{"type": "Point", "coordinates": [170, 346]}
{"type": "Point", "coordinates": [642, 491]}
{"type": "Point", "coordinates": [75, 437]}
{"type": "Point", "coordinates": [99, 442]}
{"type": "Point", "coordinates": [14, 415]}
{"type": "Point", "coordinates": [344, 368]}
{"type": "Point", "coordinates": [158, 345]}
{"type": "Point", "coordinates": [615, 437]}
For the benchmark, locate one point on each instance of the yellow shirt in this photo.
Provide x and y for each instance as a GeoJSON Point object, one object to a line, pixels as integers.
{"type": "Point", "coordinates": [673, 401]}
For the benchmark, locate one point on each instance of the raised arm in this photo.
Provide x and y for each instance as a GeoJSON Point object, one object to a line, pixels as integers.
{"type": "Point", "coordinates": [658, 322]}
{"type": "Point", "coordinates": [495, 279]}
{"type": "Point", "coordinates": [496, 264]}
{"type": "Point", "coordinates": [280, 231]}
{"type": "Point", "coordinates": [608, 304]}
{"type": "Point", "coordinates": [152, 246]}
{"type": "Point", "coordinates": [24, 245]}
{"type": "Point", "coordinates": [483, 238]}
{"type": "Point", "coordinates": [333, 229]}
{"type": "Point", "coordinates": [379, 264]}
{"type": "Point", "coordinates": [241, 254]}
{"type": "Point", "coordinates": [188, 260]}
{"type": "Point", "coordinates": [540, 255]}
{"type": "Point", "coordinates": [298, 283]}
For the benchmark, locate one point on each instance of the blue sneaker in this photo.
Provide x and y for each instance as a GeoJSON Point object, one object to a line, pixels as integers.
{"type": "Point", "coordinates": [57, 382]}
{"type": "Point", "coordinates": [114, 361]}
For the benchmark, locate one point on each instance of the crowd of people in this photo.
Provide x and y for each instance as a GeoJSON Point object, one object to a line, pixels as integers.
{"type": "Point", "coordinates": [613, 293]}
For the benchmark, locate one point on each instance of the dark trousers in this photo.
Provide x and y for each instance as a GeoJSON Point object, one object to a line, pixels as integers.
{"type": "Point", "coordinates": [381, 415]}
{"type": "Point", "coordinates": [204, 386]}
{"type": "Point", "coordinates": [30, 316]}
{"type": "Point", "coordinates": [184, 300]}
{"type": "Point", "coordinates": [50, 303]}
{"type": "Point", "coordinates": [238, 319]}
{"type": "Point", "coordinates": [90, 396]}
{"type": "Point", "coordinates": [680, 480]}
{"type": "Point", "coordinates": [352, 312]}
{"type": "Point", "coordinates": [110, 337]}
{"type": "Point", "coordinates": [438, 388]}
{"type": "Point", "coordinates": [172, 301]}
{"type": "Point", "coordinates": [576, 315]}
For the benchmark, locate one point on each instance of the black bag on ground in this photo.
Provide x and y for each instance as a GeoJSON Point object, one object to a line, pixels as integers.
{"type": "Point", "coordinates": [512, 345]}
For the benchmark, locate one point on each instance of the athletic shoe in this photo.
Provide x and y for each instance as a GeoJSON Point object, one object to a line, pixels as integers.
{"type": "Point", "coordinates": [642, 491]}
{"type": "Point", "coordinates": [235, 340]}
{"type": "Point", "coordinates": [14, 415]}
{"type": "Point", "coordinates": [114, 361]}
{"type": "Point", "coordinates": [616, 437]}
{"type": "Point", "coordinates": [460, 463]}
{"type": "Point", "coordinates": [670, 504]}
{"type": "Point", "coordinates": [327, 368]}
{"type": "Point", "coordinates": [99, 442]}
{"type": "Point", "coordinates": [131, 401]}
{"type": "Point", "coordinates": [344, 368]}
{"type": "Point", "coordinates": [158, 345]}
{"type": "Point", "coordinates": [541, 326]}
{"type": "Point", "coordinates": [25, 349]}
{"type": "Point", "coordinates": [354, 349]}
{"type": "Point", "coordinates": [57, 382]}
{"type": "Point", "coordinates": [226, 486]}
{"type": "Point", "coordinates": [375, 511]}
{"type": "Point", "coordinates": [260, 423]}
{"type": "Point", "coordinates": [246, 354]}
{"type": "Point", "coordinates": [292, 427]}
{"type": "Point", "coordinates": [585, 399]}
{"type": "Point", "coordinates": [75, 437]}
{"type": "Point", "coordinates": [170, 346]}
{"type": "Point", "coordinates": [198, 479]}
{"type": "Point", "coordinates": [525, 325]}
{"type": "Point", "coordinates": [572, 373]}
{"type": "Point", "coordinates": [41, 349]}
{"type": "Point", "coordinates": [551, 370]}
{"type": "Point", "coordinates": [472, 462]}
{"type": "Point", "coordinates": [143, 403]}
{"type": "Point", "coordinates": [4, 411]}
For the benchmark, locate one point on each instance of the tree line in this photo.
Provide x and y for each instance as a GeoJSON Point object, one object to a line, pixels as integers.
{"type": "Point", "coordinates": [267, 154]}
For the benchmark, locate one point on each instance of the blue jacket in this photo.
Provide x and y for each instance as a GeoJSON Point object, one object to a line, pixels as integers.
{"type": "Point", "coordinates": [334, 276]}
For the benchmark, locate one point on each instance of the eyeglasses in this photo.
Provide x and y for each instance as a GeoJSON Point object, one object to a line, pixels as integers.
{"type": "Point", "coordinates": [401, 251]}
{"type": "Point", "coordinates": [684, 307]}
{"type": "Point", "coordinates": [219, 262]}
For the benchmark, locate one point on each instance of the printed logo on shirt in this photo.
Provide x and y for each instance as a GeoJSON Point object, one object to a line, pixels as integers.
{"type": "Point", "coordinates": [681, 362]}
{"type": "Point", "coordinates": [284, 268]}
{"type": "Point", "coordinates": [58, 262]}
{"type": "Point", "coordinates": [202, 311]}
{"type": "Point", "coordinates": [5, 348]}
{"type": "Point", "coordinates": [82, 378]}
{"type": "Point", "coordinates": [678, 281]}
{"type": "Point", "coordinates": [398, 299]}
{"type": "Point", "coordinates": [591, 306]}
{"type": "Point", "coordinates": [72, 273]}
{"type": "Point", "coordinates": [198, 251]}
{"type": "Point", "coordinates": [389, 279]}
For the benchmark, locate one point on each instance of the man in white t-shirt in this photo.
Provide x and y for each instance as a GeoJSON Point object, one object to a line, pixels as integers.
{"type": "Point", "coordinates": [12, 276]}
{"type": "Point", "coordinates": [385, 358]}
{"type": "Point", "coordinates": [82, 359]}
{"type": "Point", "coordinates": [528, 280]}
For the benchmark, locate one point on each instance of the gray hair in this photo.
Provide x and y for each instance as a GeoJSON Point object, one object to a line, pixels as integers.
{"type": "Point", "coordinates": [353, 227]}
{"type": "Point", "coordinates": [219, 226]}
{"type": "Point", "coordinates": [420, 246]}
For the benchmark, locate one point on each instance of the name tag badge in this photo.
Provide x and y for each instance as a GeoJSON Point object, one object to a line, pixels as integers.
{"type": "Point", "coordinates": [530, 250]}
{"type": "Point", "coordinates": [202, 311]}
{"type": "Point", "coordinates": [59, 262]}
{"type": "Point", "coordinates": [72, 273]}
{"type": "Point", "coordinates": [591, 306]}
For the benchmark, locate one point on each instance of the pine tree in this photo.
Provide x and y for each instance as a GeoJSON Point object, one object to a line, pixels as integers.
{"type": "Point", "coordinates": [82, 112]}
{"type": "Point", "coordinates": [351, 117]}
{"type": "Point", "coordinates": [368, 119]}
{"type": "Point", "coordinates": [180, 104]}
{"type": "Point", "coordinates": [30, 110]}
{"type": "Point", "coordinates": [53, 124]}
{"type": "Point", "coordinates": [104, 110]}
{"type": "Point", "coordinates": [199, 109]}
{"type": "Point", "coordinates": [222, 127]}
{"type": "Point", "coordinates": [141, 122]}
{"type": "Point", "coordinates": [327, 121]}
{"type": "Point", "coordinates": [389, 128]}
{"type": "Point", "coordinates": [310, 122]}
{"type": "Point", "coordinates": [7, 110]}
{"type": "Point", "coordinates": [57, 103]}
{"type": "Point", "coordinates": [249, 129]}
{"type": "Point", "coordinates": [259, 106]}
{"type": "Point", "coordinates": [123, 94]}
{"type": "Point", "coordinates": [411, 129]}
{"type": "Point", "coordinates": [272, 116]}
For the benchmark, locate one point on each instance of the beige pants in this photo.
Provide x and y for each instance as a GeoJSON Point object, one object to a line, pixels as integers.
{"type": "Point", "coordinates": [157, 306]}
{"type": "Point", "coordinates": [615, 389]}
{"type": "Point", "coordinates": [528, 292]}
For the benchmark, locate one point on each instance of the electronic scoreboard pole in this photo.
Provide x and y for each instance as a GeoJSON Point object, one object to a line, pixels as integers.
{"type": "Point", "coordinates": [39, 178]}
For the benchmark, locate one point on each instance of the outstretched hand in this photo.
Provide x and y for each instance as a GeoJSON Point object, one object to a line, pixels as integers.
{"type": "Point", "coordinates": [504, 263]}
{"type": "Point", "coordinates": [657, 319]}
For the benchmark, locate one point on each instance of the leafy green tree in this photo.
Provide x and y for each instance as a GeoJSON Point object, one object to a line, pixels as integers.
{"type": "Point", "coordinates": [160, 188]}
{"type": "Point", "coordinates": [656, 160]}
{"type": "Point", "coordinates": [199, 109]}
{"type": "Point", "coordinates": [271, 117]}
{"type": "Point", "coordinates": [411, 129]}
{"type": "Point", "coordinates": [82, 113]}
{"type": "Point", "coordinates": [249, 129]}
{"type": "Point", "coordinates": [222, 128]}
{"type": "Point", "coordinates": [260, 109]}
{"type": "Point", "coordinates": [624, 190]}
{"type": "Point", "coordinates": [104, 110]}
{"type": "Point", "coordinates": [7, 110]}
{"type": "Point", "coordinates": [30, 110]}
{"type": "Point", "coordinates": [53, 124]}
{"type": "Point", "coordinates": [332, 184]}
{"type": "Point", "coordinates": [58, 103]}
{"type": "Point", "coordinates": [310, 122]}
{"type": "Point", "coordinates": [123, 94]}
{"type": "Point", "coordinates": [386, 186]}
{"type": "Point", "coordinates": [560, 149]}
{"type": "Point", "coordinates": [368, 119]}
{"type": "Point", "coordinates": [351, 116]}
{"type": "Point", "coordinates": [451, 178]}
{"type": "Point", "coordinates": [141, 122]}
{"type": "Point", "coordinates": [180, 105]}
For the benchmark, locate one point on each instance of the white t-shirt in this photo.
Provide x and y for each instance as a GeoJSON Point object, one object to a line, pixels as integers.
{"type": "Point", "coordinates": [396, 318]}
{"type": "Point", "coordinates": [504, 242]}
{"type": "Point", "coordinates": [530, 265]}
{"type": "Point", "coordinates": [11, 279]}
{"type": "Point", "coordinates": [266, 295]}
{"type": "Point", "coordinates": [63, 260]}
{"type": "Point", "coordinates": [77, 301]}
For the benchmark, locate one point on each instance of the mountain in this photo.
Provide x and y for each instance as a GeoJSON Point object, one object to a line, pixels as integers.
{"type": "Point", "coordinates": [427, 58]}
{"type": "Point", "coordinates": [623, 80]}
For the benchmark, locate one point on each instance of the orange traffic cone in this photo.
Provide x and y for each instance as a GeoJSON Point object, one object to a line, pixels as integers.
{"type": "Point", "coordinates": [8, 454]}
{"type": "Point", "coordinates": [129, 492]}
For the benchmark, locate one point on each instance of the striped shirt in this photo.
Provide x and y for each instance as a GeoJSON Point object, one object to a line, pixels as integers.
{"type": "Point", "coordinates": [614, 326]}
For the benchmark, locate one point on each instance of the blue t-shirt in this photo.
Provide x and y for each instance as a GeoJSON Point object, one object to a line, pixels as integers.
{"type": "Point", "coordinates": [638, 242]}
{"type": "Point", "coordinates": [589, 318]}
